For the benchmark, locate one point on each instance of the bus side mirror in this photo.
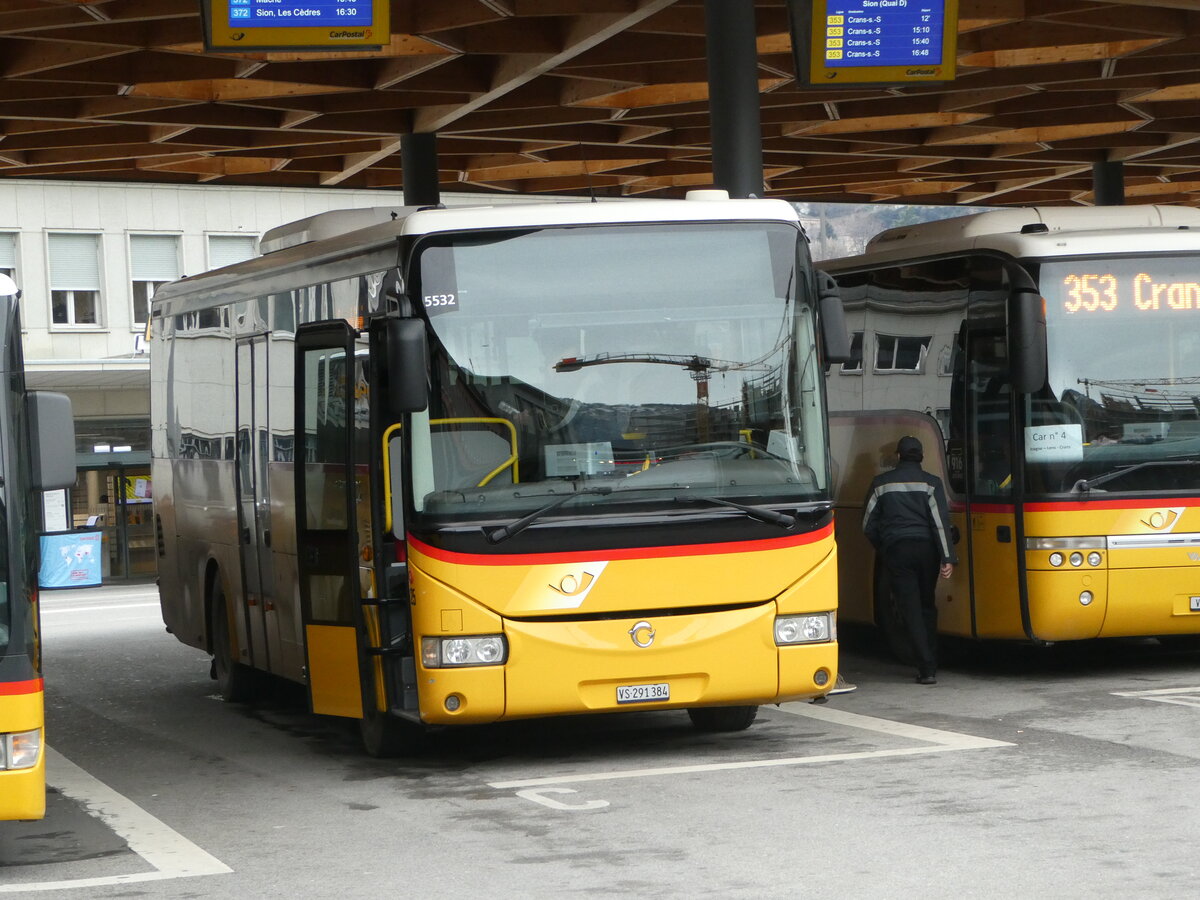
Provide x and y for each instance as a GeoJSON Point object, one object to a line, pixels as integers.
{"type": "Point", "coordinates": [834, 337]}
{"type": "Point", "coordinates": [1027, 329]}
{"type": "Point", "coordinates": [53, 432]}
{"type": "Point", "coordinates": [407, 366]}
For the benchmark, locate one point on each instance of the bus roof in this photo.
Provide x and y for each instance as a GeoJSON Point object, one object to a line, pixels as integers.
{"type": "Point", "coordinates": [1038, 231]}
{"type": "Point", "coordinates": [342, 238]}
{"type": "Point", "coordinates": [426, 219]}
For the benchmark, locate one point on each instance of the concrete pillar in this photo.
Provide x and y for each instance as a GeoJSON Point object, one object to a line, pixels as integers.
{"type": "Point", "coordinates": [733, 96]}
{"type": "Point", "coordinates": [418, 157]}
{"type": "Point", "coordinates": [1108, 181]}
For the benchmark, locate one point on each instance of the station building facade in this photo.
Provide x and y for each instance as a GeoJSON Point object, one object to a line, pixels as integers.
{"type": "Point", "coordinates": [88, 257]}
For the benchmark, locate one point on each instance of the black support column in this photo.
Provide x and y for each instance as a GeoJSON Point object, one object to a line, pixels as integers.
{"type": "Point", "coordinates": [418, 158]}
{"type": "Point", "coordinates": [733, 96]}
{"type": "Point", "coordinates": [1108, 183]}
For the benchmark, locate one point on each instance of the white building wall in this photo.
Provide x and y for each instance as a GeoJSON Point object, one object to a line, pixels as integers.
{"type": "Point", "coordinates": [32, 209]}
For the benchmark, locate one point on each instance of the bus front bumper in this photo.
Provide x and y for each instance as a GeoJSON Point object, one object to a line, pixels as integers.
{"type": "Point", "coordinates": [721, 658]}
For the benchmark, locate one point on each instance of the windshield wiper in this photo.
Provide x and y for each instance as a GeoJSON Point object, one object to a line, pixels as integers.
{"type": "Point", "coordinates": [1083, 485]}
{"type": "Point", "coordinates": [504, 532]}
{"type": "Point", "coordinates": [770, 516]}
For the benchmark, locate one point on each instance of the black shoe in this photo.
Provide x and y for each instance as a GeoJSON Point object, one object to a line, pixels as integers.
{"type": "Point", "coordinates": [926, 679]}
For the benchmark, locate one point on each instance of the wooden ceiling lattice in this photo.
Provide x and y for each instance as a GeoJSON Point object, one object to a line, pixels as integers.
{"type": "Point", "coordinates": [609, 96]}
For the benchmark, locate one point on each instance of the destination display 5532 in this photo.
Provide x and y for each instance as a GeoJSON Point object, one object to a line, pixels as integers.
{"type": "Point", "coordinates": [235, 25]}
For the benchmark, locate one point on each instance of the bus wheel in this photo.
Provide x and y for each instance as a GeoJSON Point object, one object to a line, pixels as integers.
{"type": "Point", "coordinates": [234, 680]}
{"type": "Point", "coordinates": [890, 619]}
{"type": "Point", "coordinates": [722, 718]}
{"type": "Point", "coordinates": [385, 736]}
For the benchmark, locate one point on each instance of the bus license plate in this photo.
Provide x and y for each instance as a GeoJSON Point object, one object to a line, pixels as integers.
{"type": "Point", "coordinates": [643, 693]}
{"type": "Point", "coordinates": [1195, 601]}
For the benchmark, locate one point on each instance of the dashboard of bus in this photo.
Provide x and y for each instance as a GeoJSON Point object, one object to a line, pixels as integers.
{"type": "Point", "coordinates": [1121, 407]}
{"type": "Point", "coordinates": [591, 369]}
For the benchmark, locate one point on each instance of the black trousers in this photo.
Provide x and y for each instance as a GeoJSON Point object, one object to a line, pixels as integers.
{"type": "Point", "coordinates": [912, 568]}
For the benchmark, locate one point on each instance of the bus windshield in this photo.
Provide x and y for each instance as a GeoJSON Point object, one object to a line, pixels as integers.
{"type": "Point", "coordinates": [1121, 411]}
{"type": "Point", "coordinates": [669, 360]}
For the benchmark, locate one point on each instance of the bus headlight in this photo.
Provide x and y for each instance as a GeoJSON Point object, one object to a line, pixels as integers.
{"type": "Point", "coordinates": [20, 750]}
{"type": "Point", "coordinates": [814, 628]}
{"type": "Point", "coordinates": [1077, 559]}
{"type": "Point", "coordinates": [477, 650]}
{"type": "Point", "coordinates": [1094, 558]}
{"type": "Point", "coordinates": [1056, 559]}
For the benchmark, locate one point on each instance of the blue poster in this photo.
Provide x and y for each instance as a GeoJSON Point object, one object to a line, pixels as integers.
{"type": "Point", "coordinates": [70, 559]}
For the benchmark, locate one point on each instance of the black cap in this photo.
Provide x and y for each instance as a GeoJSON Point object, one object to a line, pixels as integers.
{"type": "Point", "coordinates": [909, 447]}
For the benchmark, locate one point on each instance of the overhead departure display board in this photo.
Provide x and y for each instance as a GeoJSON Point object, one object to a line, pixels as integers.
{"type": "Point", "coordinates": [857, 42]}
{"type": "Point", "coordinates": [233, 25]}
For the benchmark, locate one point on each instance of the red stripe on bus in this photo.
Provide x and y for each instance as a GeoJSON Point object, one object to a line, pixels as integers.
{"type": "Point", "coordinates": [536, 559]}
{"type": "Point", "coordinates": [1075, 505]}
{"type": "Point", "coordinates": [12, 688]}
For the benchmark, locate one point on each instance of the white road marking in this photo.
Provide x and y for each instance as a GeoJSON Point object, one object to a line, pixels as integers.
{"type": "Point", "coordinates": [105, 608]}
{"type": "Point", "coordinates": [170, 853]}
{"type": "Point", "coordinates": [937, 741]}
{"type": "Point", "coordinates": [1180, 696]}
{"type": "Point", "coordinates": [539, 796]}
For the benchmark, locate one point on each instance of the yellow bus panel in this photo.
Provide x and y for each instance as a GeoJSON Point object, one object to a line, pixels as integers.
{"type": "Point", "coordinates": [23, 791]}
{"type": "Point", "coordinates": [333, 670]}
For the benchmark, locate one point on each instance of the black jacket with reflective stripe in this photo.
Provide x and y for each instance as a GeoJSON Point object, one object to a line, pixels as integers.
{"type": "Point", "coordinates": [907, 504]}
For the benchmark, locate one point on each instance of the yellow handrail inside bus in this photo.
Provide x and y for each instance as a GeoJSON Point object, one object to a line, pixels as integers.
{"type": "Point", "coordinates": [512, 430]}
{"type": "Point", "coordinates": [387, 476]}
{"type": "Point", "coordinates": [387, 462]}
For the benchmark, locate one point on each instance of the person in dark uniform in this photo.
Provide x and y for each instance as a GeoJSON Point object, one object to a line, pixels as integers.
{"type": "Point", "coordinates": [907, 521]}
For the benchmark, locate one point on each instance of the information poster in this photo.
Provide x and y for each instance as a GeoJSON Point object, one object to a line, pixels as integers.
{"type": "Point", "coordinates": [855, 42]}
{"type": "Point", "coordinates": [233, 25]}
{"type": "Point", "coordinates": [70, 559]}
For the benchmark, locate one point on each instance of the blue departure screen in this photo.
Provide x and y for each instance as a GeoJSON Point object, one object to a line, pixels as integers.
{"type": "Point", "coordinates": [883, 33]}
{"type": "Point", "coordinates": [299, 13]}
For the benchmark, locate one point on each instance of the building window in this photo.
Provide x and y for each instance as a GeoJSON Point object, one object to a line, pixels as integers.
{"type": "Point", "coordinates": [8, 255]}
{"type": "Point", "coordinates": [900, 354]}
{"type": "Point", "coordinates": [153, 262]}
{"type": "Point", "coordinates": [854, 367]}
{"type": "Point", "coordinates": [74, 279]}
{"type": "Point", "coordinates": [227, 249]}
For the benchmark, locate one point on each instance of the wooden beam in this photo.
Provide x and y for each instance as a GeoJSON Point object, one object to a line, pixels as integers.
{"type": "Point", "coordinates": [357, 162]}
{"type": "Point", "coordinates": [582, 34]}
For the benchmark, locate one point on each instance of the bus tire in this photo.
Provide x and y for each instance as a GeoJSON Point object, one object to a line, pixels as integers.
{"type": "Point", "coordinates": [385, 737]}
{"type": "Point", "coordinates": [890, 619]}
{"type": "Point", "coordinates": [722, 718]}
{"type": "Point", "coordinates": [234, 680]}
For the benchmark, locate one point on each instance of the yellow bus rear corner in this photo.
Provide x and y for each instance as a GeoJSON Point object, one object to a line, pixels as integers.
{"type": "Point", "coordinates": [22, 786]}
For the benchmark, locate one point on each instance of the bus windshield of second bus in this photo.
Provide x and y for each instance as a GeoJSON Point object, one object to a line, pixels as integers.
{"type": "Point", "coordinates": [1121, 409]}
{"type": "Point", "coordinates": [674, 373]}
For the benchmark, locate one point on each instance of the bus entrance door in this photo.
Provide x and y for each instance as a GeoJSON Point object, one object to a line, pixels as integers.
{"type": "Point", "coordinates": [326, 527]}
{"type": "Point", "coordinates": [254, 504]}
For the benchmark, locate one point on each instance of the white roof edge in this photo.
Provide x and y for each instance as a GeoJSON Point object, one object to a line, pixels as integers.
{"type": "Point", "coordinates": [1008, 230]}
{"type": "Point", "coordinates": [425, 220]}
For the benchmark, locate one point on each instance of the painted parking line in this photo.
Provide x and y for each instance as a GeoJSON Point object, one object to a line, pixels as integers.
{"type": "Point", "coordinates": [1189, 696]}
{"type": "Point", "coordinates": [107, 608]}
{"type": "Point", "coordinates": [166, 850]}
{"type": "Point", "coordinates": [933, 741]}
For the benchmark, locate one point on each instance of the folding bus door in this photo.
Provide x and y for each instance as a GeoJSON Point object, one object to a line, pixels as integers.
{"type": "Point", "coordinates": [327, 492]}
{"type": "Point", "coordinates": [254, 508]}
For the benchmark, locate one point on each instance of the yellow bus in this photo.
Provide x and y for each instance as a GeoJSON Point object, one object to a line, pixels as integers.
{"type": "Point", "coordinates": [449, 466]}
{"type": "Point", "coordinates": [1049, 359]}
{"type": "Point", "coordinates": [37, 452]}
